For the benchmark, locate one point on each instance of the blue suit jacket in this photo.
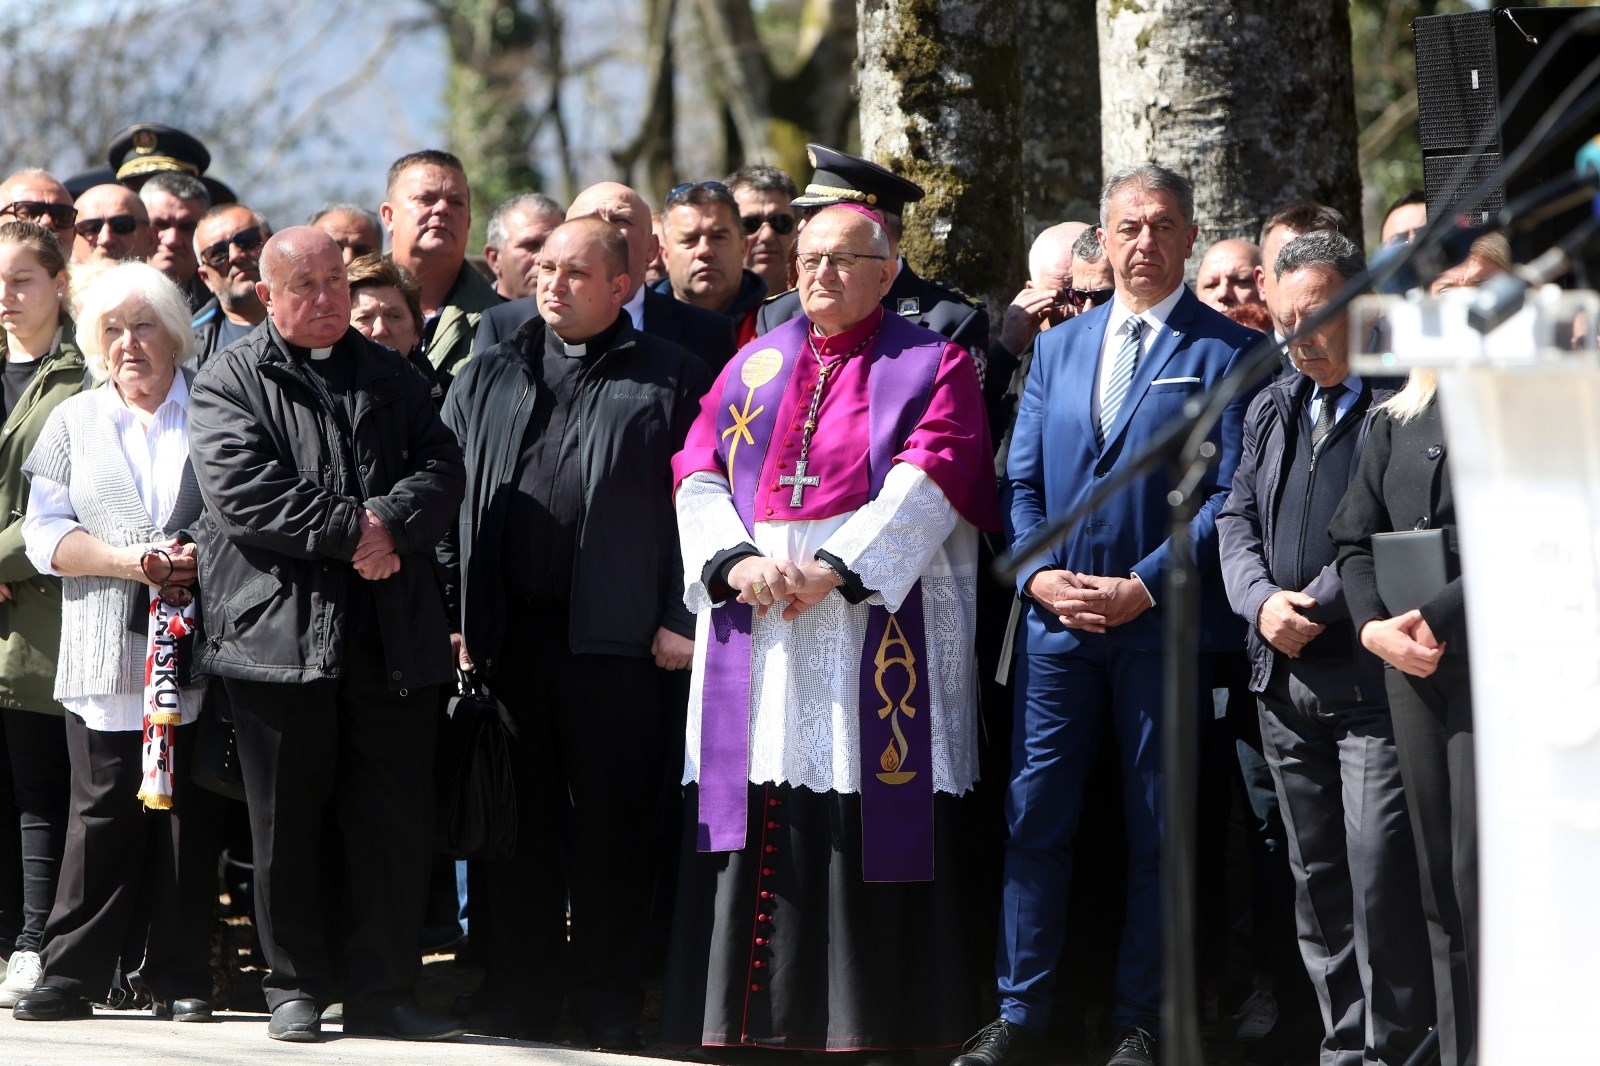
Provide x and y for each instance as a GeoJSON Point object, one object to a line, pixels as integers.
{"type": "Point", "coordinates": [1054, 463]}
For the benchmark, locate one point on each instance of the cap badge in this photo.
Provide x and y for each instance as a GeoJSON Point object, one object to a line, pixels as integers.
{"type": "Point", "coordinates": [908, 305]}
{"type": "Point", "coordinates": [144, 141]}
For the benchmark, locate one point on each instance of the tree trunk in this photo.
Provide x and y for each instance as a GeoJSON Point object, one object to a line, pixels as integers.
{"type": "Point", "coordinates": [658, 128]}
{"type": "Point", "coordinates": [941, 105]}
{"type": "Point", "coordinates": [1252, 101]}
{"type": "Point", "coordinates": [493, 46]}
{"type": "Point", "coordinates": [1060, 112]}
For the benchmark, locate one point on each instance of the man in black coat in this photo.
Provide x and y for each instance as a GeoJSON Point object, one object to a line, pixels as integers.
{"type": "Point", "coordinates": [1326, 730]}
{"type": "Point", "coordinates": [705, 333]}
{"type": "Point", "coordinates": [569, 584]}
{"type": "Point", "coordinates": [841, 178]}
{"type": "Point", "coordinates": [328, 479]}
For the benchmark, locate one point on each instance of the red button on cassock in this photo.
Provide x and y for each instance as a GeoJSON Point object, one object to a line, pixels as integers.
{"type": "Point", "coordinates": [772, 803]}
{"type": "Point", "coordinates": [766, 871]}
{"type": "Point", "coordinates": [761, 941]}
{"type": "Point", "coordinates": [758, 964]}
{"type": "Point", "coordinates": [772, 825]}
{"type": "Point", "coordinates": [766, 895]}
{"type": "Point", "coordinates": [771, 848]}
{"type": "Point", "coordinates": [763, 917]}
{"type": "Point", "coordinates": [755, 988]}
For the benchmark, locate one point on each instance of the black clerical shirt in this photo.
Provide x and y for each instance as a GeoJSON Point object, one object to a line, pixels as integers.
{"type": "Point", "coordinates": [545, 507]}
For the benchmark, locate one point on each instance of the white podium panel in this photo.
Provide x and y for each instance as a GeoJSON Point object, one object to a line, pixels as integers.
{"type": "Point", "coordinates": [1521, 410]}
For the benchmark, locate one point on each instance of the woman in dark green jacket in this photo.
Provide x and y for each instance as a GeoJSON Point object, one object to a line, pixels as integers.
{"type": "Point", "coordinates": [42, 366]}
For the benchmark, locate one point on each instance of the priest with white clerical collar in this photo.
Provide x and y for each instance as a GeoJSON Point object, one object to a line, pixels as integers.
{"type": "Point", "coordinates": [829, 499]}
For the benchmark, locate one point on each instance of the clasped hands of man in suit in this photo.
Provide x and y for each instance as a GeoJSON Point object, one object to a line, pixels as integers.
{"type": "Point", "coordinates": [1281, 624]}
{"type": "Point", "coordinates": [1088, 601]}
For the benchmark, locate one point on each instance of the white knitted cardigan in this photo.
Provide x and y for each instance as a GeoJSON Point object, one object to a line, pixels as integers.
{"type": "Point", "coordinates": [79, 448]}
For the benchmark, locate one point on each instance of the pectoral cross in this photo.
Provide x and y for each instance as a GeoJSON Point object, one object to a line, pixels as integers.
{"type": "Point", "coordinates": [800, 482]}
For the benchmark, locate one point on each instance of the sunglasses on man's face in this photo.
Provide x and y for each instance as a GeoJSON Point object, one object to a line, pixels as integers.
{"type": "Point", "coordinates": [215, 255]}
{"type": "Point", "coordinates": [121, 225]}
{"type": "Point", "coordinates": [782, 225]}
{"type": "Point", "coordinates": [1084, 299]}
{"type": "Point", "coordinates": [680, 193]}
{"type": "Point", "coordinates": [60, 215]}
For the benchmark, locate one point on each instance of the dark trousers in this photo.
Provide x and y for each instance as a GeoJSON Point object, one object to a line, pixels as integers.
{"type": "Point", "coordinates": [587, 772]}
{"type": "Point", "coordinates": [1433, 732]}
{"type": "Point", "coordinates": [41, 775]}
{"type": "Point", "coordinates": [124, 865]}
{"type": "Point", "coordinates": [1358, 904]}
{"type": "Point", "coordinates": [1064, 702]}
{"type": "Point", "coordinates": [354, 752]}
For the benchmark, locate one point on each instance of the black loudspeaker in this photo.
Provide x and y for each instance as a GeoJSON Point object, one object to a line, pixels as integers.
{"type": "Point", "coordinates": [1467, 64]}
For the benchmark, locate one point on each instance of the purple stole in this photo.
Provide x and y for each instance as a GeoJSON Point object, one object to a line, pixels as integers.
{"type": "Point", "coordinates": [896, 739]}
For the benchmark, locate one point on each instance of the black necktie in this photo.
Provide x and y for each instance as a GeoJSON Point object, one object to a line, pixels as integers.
{"type": "Point", "coordinates": [1324, 424]}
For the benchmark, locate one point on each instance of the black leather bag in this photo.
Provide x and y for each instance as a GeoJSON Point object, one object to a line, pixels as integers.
{"type": "Point", "coordinates": [215, 765]}
{"type": "Point", "coordinates": [477, 794]}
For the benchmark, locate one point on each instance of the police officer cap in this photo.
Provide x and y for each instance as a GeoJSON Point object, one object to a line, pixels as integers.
{"type": "Point", "coordinates": [146, 148]}
{"type": "Point", "coordinates": [839, 178]}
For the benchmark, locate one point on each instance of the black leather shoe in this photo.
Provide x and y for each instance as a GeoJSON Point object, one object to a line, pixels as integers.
{"type": "Point", "coordinates": [998, 1042]}
{"type": "Point", "coordinates": [404, 1021]}
{"type": "Point", "coordinates": [1135, 1047]}
{"type": "Point", "coordinates": [50, 1005]}
{"type": "Point", "coordinates": [296, 1021]}
{"type": "Point", "coordinates": [183, 1010]}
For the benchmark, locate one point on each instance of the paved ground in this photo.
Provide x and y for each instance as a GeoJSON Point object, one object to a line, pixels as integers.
{"type": "Point", "coordinates": [125, 1038]}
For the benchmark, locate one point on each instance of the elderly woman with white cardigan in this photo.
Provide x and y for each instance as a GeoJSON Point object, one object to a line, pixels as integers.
{"type": "Point", "coordinates": [110, 489]}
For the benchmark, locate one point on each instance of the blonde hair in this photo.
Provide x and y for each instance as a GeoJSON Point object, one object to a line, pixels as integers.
{"type": "Point", "coordinates": [99, 293]}
{"type": "Point", "coordinates": [1415, 398]}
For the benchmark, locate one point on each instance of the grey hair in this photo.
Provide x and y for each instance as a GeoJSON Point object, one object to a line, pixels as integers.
{"type": "Point", "coordinates": [1321, 247]}
{"type": "Point", "coordinates": [348, 209]}
{"type": "Point", "coordinates": [537, 202]}
{"type": "Point", "coordinates": [1087, 247]}
{"type": "Point", "coordinates": [176, 184]}
{"type": "Point", "coordinates": [115, 286]}
{"type": "Point", "coordinates": [1150, 176]}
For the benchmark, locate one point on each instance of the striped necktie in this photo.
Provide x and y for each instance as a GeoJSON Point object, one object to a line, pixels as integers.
{"type": "Point", "coordinates": [1324, 423]}
{"type": "Point", "coordinates": [1121, 377]}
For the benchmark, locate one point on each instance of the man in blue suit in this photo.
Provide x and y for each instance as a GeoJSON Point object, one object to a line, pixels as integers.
{"type": "Point", "coordinates": [1102, 385]}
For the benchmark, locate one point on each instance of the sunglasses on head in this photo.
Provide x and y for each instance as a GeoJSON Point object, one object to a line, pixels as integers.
{"type": "Point", "coordinates": [782, 225]}
{"type": "Point", "coordinates": [1084, 298]}
{"type": "Point", "coordinates": [215, 255]}
{"type": "Point", "coordinates": [122, 225]}
{"type": "Point", "coordinates": [60, 215]}
{"type": "Point", "coordinates": [680, 193]}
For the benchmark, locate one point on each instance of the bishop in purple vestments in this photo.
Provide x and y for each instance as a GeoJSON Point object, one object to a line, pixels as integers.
{"type": "Point", "coordinates": [829, 499]}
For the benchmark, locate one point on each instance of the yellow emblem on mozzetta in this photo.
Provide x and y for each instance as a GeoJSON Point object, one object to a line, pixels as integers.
{"type": "Point", "coordinates": [761, 368]}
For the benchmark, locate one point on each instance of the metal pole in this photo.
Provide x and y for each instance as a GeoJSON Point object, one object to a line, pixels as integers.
{"type": "Point", "coordinates": [1180, 1001]}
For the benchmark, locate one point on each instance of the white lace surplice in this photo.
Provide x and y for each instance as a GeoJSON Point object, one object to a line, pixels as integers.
{"type": "Point", "coordinates": [806, 675]}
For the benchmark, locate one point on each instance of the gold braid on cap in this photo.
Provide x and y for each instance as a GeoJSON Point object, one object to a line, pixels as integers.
{"type": "Point", "coordinates": [842, 194]}
{"type": "Point", "coordinates": [149, 164]}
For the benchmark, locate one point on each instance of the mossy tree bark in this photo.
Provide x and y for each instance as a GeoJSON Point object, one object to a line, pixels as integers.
{"type": "Point", "coordinates": [941, 103]}
{"type": "Point", "coordinates": [1060, 112]}
{"type": "Point", "coordinates": [1252, 100]}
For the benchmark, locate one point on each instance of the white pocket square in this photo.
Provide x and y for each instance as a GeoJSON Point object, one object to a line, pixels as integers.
{"type": "Point", "coordinates": [1176, 381]}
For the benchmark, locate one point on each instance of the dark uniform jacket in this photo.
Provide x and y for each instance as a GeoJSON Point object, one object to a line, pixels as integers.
{"type": "Point", "coordinates": [929, 305]}
{"type": "Point", "coordinates": [284, 489]}
{"type": "Point", "coordinates": [635, 408]}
